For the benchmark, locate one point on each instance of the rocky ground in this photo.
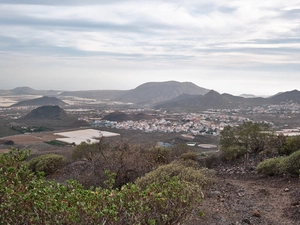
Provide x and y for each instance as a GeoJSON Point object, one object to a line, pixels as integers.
{"type": "Point", "coordinates": [240, 198]}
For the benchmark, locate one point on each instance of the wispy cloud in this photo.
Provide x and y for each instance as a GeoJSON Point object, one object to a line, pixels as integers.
{"type": "Point", "coordinates": [135, 35]}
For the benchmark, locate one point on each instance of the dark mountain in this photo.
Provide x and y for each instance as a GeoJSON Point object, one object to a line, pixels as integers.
{"type": "Point", "coordinates": [121, 116]}
{"type": "Point", "coordinates": [95, 94]}
{"type": "Point", "coordinates": [47, 112]}
{"type": "Point", "coordinates": [24, 91]}
{"type": "Point", "coordinates": [212, 99]}
{"type": "Point", "coordinates": [285, 97]}
{"type": "Point", "coordinates": [215, 100]}
{"type": "Point", "coordinates": [50, 116]}
{"type": "Point", "coordinates": [28, 91]}
{"type": "Point", "coordinates": [153, 92]}
{"type": "Point", "coordinates": [41, 101]}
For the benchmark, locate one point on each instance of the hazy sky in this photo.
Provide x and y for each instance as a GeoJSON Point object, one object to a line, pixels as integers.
{"type": "Point", "coordinates": [233, 46]}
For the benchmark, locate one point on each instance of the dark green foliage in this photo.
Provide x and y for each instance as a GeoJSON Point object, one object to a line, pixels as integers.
{"type": "Point", "coordinates": [56, 143]}
{"type": "Point", "coordinates": [201, 177]}
{"type": "Point", "coordinates": [283, 165]}
{"type": "Point", "coordinates": [291, 145]}
{"type": "Point", "coordinates": [270, 167]}
{"type": "Point", "coordinates": [31, 129]}
{"type": "Point", "coordinates": [85, 151]}
{"type": "Point", "coordinates": [291, 164]}
{"type": "Point", "coordinates": [160, 154]}
{"type": "Point", "coordinates": [248, 138]}
{"type": "Point", "coordinates": [26, 198]}
{"type": "Point", "coordinates": [189, 156]}
{"type": "Point", "coordinates": [211, 160]}
{"type": "Point", "coordinates": [48, 163]}
{"type": "Point", "coordinates": [233, 152]}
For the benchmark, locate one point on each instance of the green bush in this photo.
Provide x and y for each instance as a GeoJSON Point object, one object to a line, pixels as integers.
{"type": "Point", "coordinates": [189, 156]}
{"type": "Point", "coordinates": [233, 152]}
{"type": "Point", "coordinates": [48, 163]}
{"type": "Point", "coordinates": [160, 154]}
{"type": "Point", "coordinates": [201, 177]}
{"type": "Point", "coordinates": [26, 198]}
{"type": "Point", "coordinates": [56, 143]}
{"type": "Point", "coordinates": [211, 160]}
{"type": "Point", "coordinates": [276, 166]}
{"type": "Point", "coordinates": [291, 164]}
{"type": "Point", "coordinates": [270, 167]}
{"type": "Point", "coordinates": [292, 144]}
{"type": "Point", "coordinates": [85, 151]}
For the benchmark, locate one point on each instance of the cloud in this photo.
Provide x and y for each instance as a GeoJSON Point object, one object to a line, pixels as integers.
{"type": "Point", "coordinates": [131, 36]}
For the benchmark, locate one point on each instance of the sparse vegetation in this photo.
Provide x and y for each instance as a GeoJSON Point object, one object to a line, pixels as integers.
{"type": "Point", "coordinates": [195, 176]}
{"type": "Point", "coordinates": [48, 163]}
{"type": "Point", "coordinates": [29, 199]}
{"type": "Point", "coordinates": [283, 165]}
{"type": "Point", "coordinates": [246, 139]}
{"type": "Point", "coordinates": [270, 167]}
{"type": "Point", "coordinates": [56, 143]}
{"type": "Point", "coordinates": [31, 129]}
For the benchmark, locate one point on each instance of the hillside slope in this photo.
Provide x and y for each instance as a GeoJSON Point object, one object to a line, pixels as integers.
{"type": "Point", "coordinates": [154, 92]}
{"type": "Point", "coordinates": [45, 100]}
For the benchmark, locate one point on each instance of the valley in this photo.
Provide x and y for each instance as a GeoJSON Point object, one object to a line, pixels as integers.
{"type": "Point", "coordinates": [164, 116]}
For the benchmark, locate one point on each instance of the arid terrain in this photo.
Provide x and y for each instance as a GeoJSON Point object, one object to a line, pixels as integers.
{"type": "Point", "coordinates": [239, 195]}
{"type": "Point", "coordinates": [251, 199]}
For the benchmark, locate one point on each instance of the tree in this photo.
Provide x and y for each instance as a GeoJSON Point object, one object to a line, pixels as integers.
{"type": "Point", "coordinates": [248, 138]}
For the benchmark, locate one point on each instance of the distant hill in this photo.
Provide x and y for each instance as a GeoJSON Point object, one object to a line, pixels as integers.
{"type": "Point", "coordinates": [96, 94]}
{"type": "Point", "coordinates": [51, 116]}
{"type": "Point", "coordinates": [212, 99]}
{"type": "Point", "coordinates": [28, 91]}
{"type": "Point", "coordinates": [293, 95]}
{"type": "Point", "coordinates": [121, 116]}
{"type": "Point", "coordinates": [23, 91]}
{"type": "Point", "coordinates": [47, 112]}
{"type": "Point", "coordinates": [154, 92]}
{"type": "Point", "coordinates": [222, 101]}
{"type": "Point", "coordinates": [45, 100]}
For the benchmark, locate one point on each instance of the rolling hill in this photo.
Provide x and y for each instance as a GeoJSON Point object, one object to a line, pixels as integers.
{"type": "Point", "coordinates": [51, 116]}
{"type": "Point", "coordinates": [154, 92]}
{"type": "Point", "coordinates": [45, 100]}
{"type": "Point", "coordinates": [215, 100]}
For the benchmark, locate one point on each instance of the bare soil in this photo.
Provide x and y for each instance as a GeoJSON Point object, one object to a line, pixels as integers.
{"type": "Point", "coordinates": [251, 199]}
{"type": "Point", "coordinates": [238, 197]}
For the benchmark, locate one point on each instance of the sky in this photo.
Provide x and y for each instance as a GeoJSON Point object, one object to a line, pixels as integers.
{"type": "Point", "coordinates": [236, 47]}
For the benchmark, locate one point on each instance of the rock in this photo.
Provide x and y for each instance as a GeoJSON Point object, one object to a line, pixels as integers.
{"type": "Point", "coordinates": [256, 213]}
{"type": "Point", "coordinates": [247, 221]}
{"type": "Point", "coordinates": [215, 193]}
{"type": "Point", "coordinates": [295, 203]}
{"type": "Point", "coordinates": [286, 190]}
{"type": "Point", "coordinates": [240, 194]}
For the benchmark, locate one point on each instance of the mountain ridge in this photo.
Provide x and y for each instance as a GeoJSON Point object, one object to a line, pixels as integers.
{"type": "Point", "coordinates": [45, 100]}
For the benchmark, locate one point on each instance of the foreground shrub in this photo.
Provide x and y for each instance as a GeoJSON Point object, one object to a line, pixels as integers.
{"type": "Point", "coordinates": [233, 152]}
{"type": "Point", "coordinates": [270, 167]}
{"type": "Point", "coordinates": [189, 156]}
{"type": "Point", "coordinates": [292, 144]}
{"type": "Point", "coordinates": [201, 177]}
{"type": "Point", "coordinates": [291, 164]}
{"type": "Point", "coordinates": [26, 198]}
{"type": "Point", "coordinates": [212, 160]}
{"type": "Point", "coordinates": [277, 166]}
{"type": "Point", "coordinates": [48, 163]}
{"type": "Point", "coordinates": [85, 151]}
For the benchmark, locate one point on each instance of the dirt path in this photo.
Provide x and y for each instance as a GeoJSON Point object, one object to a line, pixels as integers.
{"type": "Point", "coordinates": [252, 200]}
